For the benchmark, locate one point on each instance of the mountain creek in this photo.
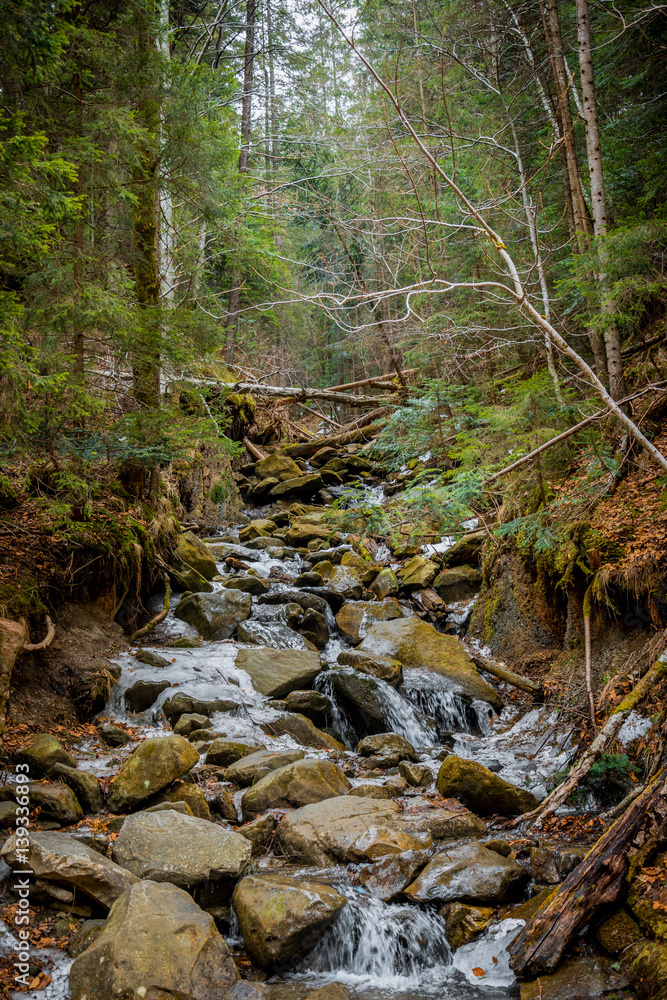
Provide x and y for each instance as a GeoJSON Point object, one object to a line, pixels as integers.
{"type": "Point", "coordinates": [301, 778]}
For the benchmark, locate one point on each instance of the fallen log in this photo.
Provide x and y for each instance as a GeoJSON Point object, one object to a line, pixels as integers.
{"type": "Point", "coordinates": [299, 394]}
{"type": "Point", "coordinates": [256, 452]}
{"type": "Point", "coordinates": [595, 750]}
{"type": "Point", "coordinates": [321, 416]}
{"type": "Point", "coordinates": [389, 377]}
{"type": "Point", "coordinates": [598, 881]}
{"type": "Point", "coordinates": [349, 437]}
{"type": "Point", "coordinates": [503, 674]}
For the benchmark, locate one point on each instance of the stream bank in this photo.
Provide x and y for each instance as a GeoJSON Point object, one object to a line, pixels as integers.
{"type": "Point", "coordinates": [301, 770]}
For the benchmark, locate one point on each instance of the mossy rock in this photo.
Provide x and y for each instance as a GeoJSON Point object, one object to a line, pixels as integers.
{"type": "Point", "coordinates": [42, 753]}
{"type": "Point", "coordinates": [481, 790]}
{"type": "Point", "coordinates": [191, 550]}
{"type": "Point", "coordinates": [154, 764]}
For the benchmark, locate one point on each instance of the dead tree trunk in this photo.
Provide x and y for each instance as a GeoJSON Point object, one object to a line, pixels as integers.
{"type": "Point", "coordinates": [596, 882]}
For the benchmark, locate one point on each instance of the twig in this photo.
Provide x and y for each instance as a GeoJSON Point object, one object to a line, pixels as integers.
{"type": "Point", "coordinates": [158, 618]}
{"type": "Point", "coordinates": [35, 647]}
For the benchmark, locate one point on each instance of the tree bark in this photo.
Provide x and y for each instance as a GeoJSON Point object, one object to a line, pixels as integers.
{"type": "Point", "coordinates": [598, 881]}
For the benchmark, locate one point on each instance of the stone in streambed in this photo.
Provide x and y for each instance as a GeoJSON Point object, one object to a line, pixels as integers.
{"type": "Point", "coordinates": [303, 731]}
{"type": "Point", "coordinates": [56, 803]}
{"type": "Point", "coordinates": [385, 584]}
{"type": "Point", "coordinates": [464, 922]}
{"type": "Point", "coordinates": [313, 627]}
{"type": "Point", "coordinates": [482, 790]}
{"type": "Point", "coordinates": [259, 832]}
{"type": "Point", "coordinates": [417, 573]}
{"type": "Point", "coordinates": [419, 646]}
{"type": "Point", "coordinates": [344, 582]}
{"type": "Point", "coordinates": [189, 722]}
{"type": "Point", "coordinates": [281, 917]}
{"type": "Point", "coordinates": [303, 486]}
{"type": "Point", "coordinates": [273, 636]}
{"type": "Point", "coordinates": [276, 465]}
{"type": "Point", "coordinates": [182, 704]}
{"type": "Point", "coordinates": [415, 774]}
{"type": "Point", "coordinates": [190, 550]}
{"type": "Point", "coordinates": [458, 584]}
{"type": "Point", "coordinates": [276, 672]}
{"type": "Point", "coordinates": [42, 752]}
{"type": "Point", "coordinates": [156, 943]}
{"type": "Point", "coordinates": [153, 765]}
{"type": "Point", "coordinates": [364, 697]}
{"type": "Point", "coordinates": [304, 599]}
{"type": "Point", "coordinates": [470, 873]}
{"type": "Point", "coordinates": [184, 578]}
{"type": "Point", "coordinates": [223, 752]}
{"type": "Point", "coordinates": [312, 704]}
{"type": "Point", "coordinates": [391, 746]}
{"type": "Point", "coordinates": [143, 694]}
{"type": "Point", "coordinates": [187, 793]}
{"type": "Point", "coordinates": [85, 786]}
{"type": "Point", "coordinates": [215, 616]}
{"type": "Point", "coordinates": [296, 784]}
{"type": "Point", "coordinates": [171, 847]}
{"type": "Point", "coordinates": [382, 667]}
{"type": "Point", "coordinates": [261, 527]}
{"type": "Point", "coordinates": [332, 991]}
{"type": "Point", "coordinates": [356, 618]}
{"type": "Point", "coordinates": [370, 791]}
{"type": "Point", "coordinates": [257, 765]}
{"type": "Point", "coordinates": [151, 659]}
{"type": "Point", "coordinates": [113, 736]}
{"type": "Point", "coordinates": [248, 584]}
{"type": "Point", "coordinates": [387, 878]}
{"type": "Point", "coordinates": [62, 858]}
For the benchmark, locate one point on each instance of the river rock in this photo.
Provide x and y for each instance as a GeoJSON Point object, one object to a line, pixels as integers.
{"type": "Point", "coordinates": [309, 579]}
{"type": "Point", "coordinates": [312, 704]}
{"type": "Point", "coordinates": [143, 694]}
{"type": "Point", "coordinates": [391, 746]}
{"type": "Point", "coordinates": [295, 784]}
{"type": "Point", "coordinates": [385, 584]}
{"type": "Point", "coordinates": [303, 731]}
{"type": "Point", "coordinates": [276, 465]}
{"type": "Point", "coordinates": [388, 877]}
{"type": "Point", "coordinates": [223, 752]}
{"type": "Point", "coordinates": [153, 765]}
{"type": "Point", "coordinates": [482, 790]}
{"type": "Point", "coordinates": [182, 704]}
{"type": "Point", "coordinates": [248, 584]}
{"type": "Point", "coordinates": [180, 807]}
{"type": "Point", "coordinates": [171, 847]}
{"type": "Point", "coordinates": [275, 673]}
{"type": "Point", "coordinates": [259, 832]}
{"type": "Point", "coordinates": [332, 991]}
{"type": "Point", "coordinates": [415, 774]}
{"type": "Point", "coordinates": [370, 791]}
{"type": "Point", "coordinates": [314, 628]}
{"type": "Point", "coordinates": [466, 550]}
{"type": "Point", "coordinates": [188, 794]}
{"type": "Point", "coordinates": [56, 803]}
{"type": "Point", "coordinates": [273, 636]}
{"type": "Point", "coordinates": [331, 597]}
{"type": "Point", "coordinates": [346, 829]}
{"type": "Point", "coordinates": [298, 486]}
{"type": "Point", "coordinates": [257, 765]}
{"type": "Point", "coordinates": [322, 456]}
{"type": "Point", "coordinates": [156, 943]}
{"type": "Point", "coordinates": [260, 527]}
{"type": "Point", "coordinates": [417, 573]}
{"type": "Point", "coordinates": [190, 550]}
{"type": "Point", "coordinates": [443, 819]}
{"type": "Point", "coordinates": [85, 786]}
{"type": "Point", "coordinates": [151, 659]}
{"type": "Point", "coordinates": [418, 645]}
{"type": "Point", "coordinates": [42, 752]}
{"type": "Point", "coordinates": [189, 722]}
{"type": "Point", "coordinates": [60, 858]}
{"type": "Point", "coordinates": [585, 977]}
{"type": "Point", "coordinates": [458, 584]}
{"type": "Point", "coordinates": [382, 667]}
{"type": "Point", "coordinates": [356, 618]}
{"type": "Point", "coordinates": [281, 917]}
{"type": "Point", "coordinates": [344, 582]}
{"type": "Point", "coordinates": [470, 873]}
{"type": "Point", "coordinates": [464, 922]}
{"type": "Point", "coordinates": [300, 533]}
{"type": "Point", "coordinates": [304, 599]}
{"type": "Point", "coordinates": [186, 578]}
{"type": "Point", "coordinates": [215, 616]}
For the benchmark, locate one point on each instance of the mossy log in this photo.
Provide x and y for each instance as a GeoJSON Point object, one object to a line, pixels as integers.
{"type": "Point", "coordinates": [598, 881]}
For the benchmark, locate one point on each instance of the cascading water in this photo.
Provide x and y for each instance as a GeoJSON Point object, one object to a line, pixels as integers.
{"type": "Point", "coordinates": [437, 699]}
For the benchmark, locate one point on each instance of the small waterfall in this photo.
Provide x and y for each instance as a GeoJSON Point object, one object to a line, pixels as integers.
{"type": "Point", "coordinates": [387, 946]}
{"type": "Point", "coordinates": [437, 698]}
{"type": "Point", "coordinates": [338, 719]}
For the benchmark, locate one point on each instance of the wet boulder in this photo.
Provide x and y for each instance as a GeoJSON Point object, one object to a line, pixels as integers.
{"type": "Point", "coordinates": [273, 636]}
{"type": "Point", "coordinates": [169, 846]}
{"type": "Point", "coordinates": [215, 616]}
{"type": "Point", "coordinates": [185, 793]}
{"type": "Point", "coordinates": [182, 704]}
{"type": "Point", "coordinates": [298, 486]}
{"type": "Point", "coordinates": [190, 550]}
{"type": "Point", "coordinates": [155, 943]}
{"type": "Point", "coordinates": [259, 832]}
{"type": "Point", "coordinates": [301, 533]}
{"type": "Point", "coordinates": [303, 731]}
{"type": "Point", "coordinates": [345, 829]}
{"type": "Point", "coordinates": [443, 819]}
{"type": "Point", "coordinates": [458, 584]}
{"type": "Point", "coordinates": [418, 645]}
{"type": "Point", "coordinates": [356, 618]}
{"type": "Point", "coordinates": [415, 774]}
{"type": "Point", "coordinates": [385, 584]}
{"type": "Point", "coordinates": [344, 582]}
{"type": "Point", "coordinates": [85, 786]}
{"type": "Point", "coordinates": [282, 917]}
{"type": "Point", "coordinates": [369, 702]}
{"type": "Point", "coordinates": [275, 466]}
{"type": "Point", "coordinates": [257, 765]}
{"type": "Point", "coordinates": [305, 600]}
{"type": "Point", "coordinates": [464, 922]}
{"type": "Point", "coordinates": [383, 667]}
{"type": "Point", "coordinates": [185, 578]}
{"type": "Point", "coordinates": [275, 673]}
{"type": "Point", "coordinates": [312, 704]}
{"type": "Point", "coordinates": [151, 659]}
{"type": "Point", "coordinates": [417, 573]}
{"type": "Point", "coordinates": [223, 752]}
{"type": "Point", "coordinates": [42, 752]}
{"type": "Point", "coordinates": [248, 584]}
{"type": "Point", "coordinates": [470, 873]}
{"type": "Point", "coordinates": [295, 785]}
{"type": "Point", "coordinates": [153, 765]}
{"type": "Point", "coordinates": [142, 694]}
{"type": "Point", "coordinates": [313, 627]}
{"type": "Point", "coordinates": [466, 550]}
{"type": "Point", "coordinates": [189, 722]}
{"type": "Point", "coordinates": [113, 736]}
{"type": "Point", "coordinates": [481, 790]}
{"type": "Point", "coordinates": [57, 803]}
{"type": "Point", "coordinates": [260, 527]}
{"type": "Point", "coordinates": [386, 879]}
{"type": "Point", "coordinates": [391, 747]}
{"type": "Point", "coordinates": [61, 858]}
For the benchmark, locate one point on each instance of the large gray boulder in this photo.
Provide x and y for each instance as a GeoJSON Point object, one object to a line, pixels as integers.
{"type": "Point", "coordinates": [85, 786]}
{"type": "Point", "coordinates": [356, 618]}
{"type": "Point", "coordinates": [156, 943]}
{"type": "Point", "coordinates": [481, 790]}
{"type": "Point", "coordinates": [42, 752]}
{"type": "Point", "coordinates": [169, 846]}
{"type": "Point", "coordinates": [299, 486]}
{"type": "Point", "coordinates": [471, 873]}
{"type": "Point", "coordinates": [223, 752]}
{"type": "Point", "coordinates": [276, 672]}
{"type": "Point", "coordinates": [295, 784]}
{"type": "Point", "coordinates": [153, 765]}
{"type": "Point", "coordinates": [190, 550]}
{"type": "Point", "coordinates": [215, 616]}
{"type": "Point", "coordinates": [281, 917]}
{"type": "Point", "coordinates": [303, 731]}
{"type": "Point", "coordinates": [60, 858]}
{"type": "Point", "coordinates": [382, 667]}
{"type": "Point", "coordinates": [257, 765]}
{"type": "Point", "coordinates": [419, 646]}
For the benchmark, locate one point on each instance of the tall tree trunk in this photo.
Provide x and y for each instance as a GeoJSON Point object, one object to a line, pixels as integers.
{"type": "Point", "coordinates": [611, 335]}
{"type": "Point", "coordinates": [232, 322]}
{"type": "Point", "coordinates": [78, 335]}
